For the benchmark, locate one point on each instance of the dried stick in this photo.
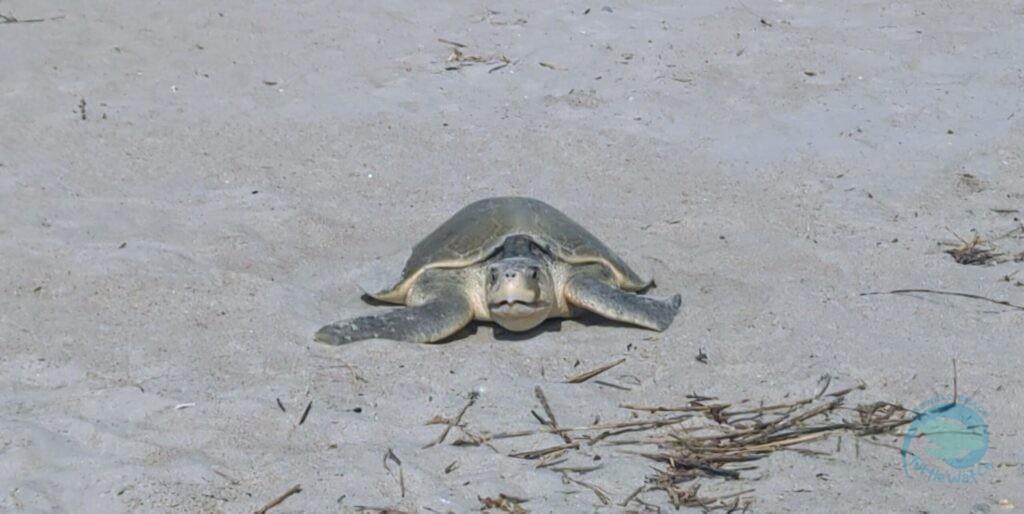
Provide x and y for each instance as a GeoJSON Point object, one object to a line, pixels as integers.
{"type": "Point", "coordinates": [552, 422]}
{"type": "Point", "coordinates": [296, 489]}
{"type": "Point", "coordinates": [458, 419]}
{"type": "Point", "coordinates": [587, 375]}
{"type": "Point", "coordinates": [948, 293]}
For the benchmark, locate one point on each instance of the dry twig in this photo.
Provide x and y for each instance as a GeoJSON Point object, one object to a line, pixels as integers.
{"type": "Point", "coordinates": [600, 493]}
{"type": "Point", "coordinates": [296, 489]}
{"type": "Point", "coordinates": [453, 422]}
{"type": "Point", "coordinates": [551, 422]}
{"type": "Point", "coordinates": [947, 293]}
{"type": "Point", "coordinates": [587, 375]}
{"type": "Point", "coordinates": [505, 503]}
{"type": "Point", "coordinates": [719, 440]}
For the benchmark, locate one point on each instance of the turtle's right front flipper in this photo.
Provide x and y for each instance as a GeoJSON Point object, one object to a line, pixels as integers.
{"type": "Point", "coordinates": [428, 322]}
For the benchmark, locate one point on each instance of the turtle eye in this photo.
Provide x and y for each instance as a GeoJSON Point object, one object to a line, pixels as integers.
{"type": "Point", "coordinates": [494, 275]}
{"type": "Point", "coordinates": [533, 272]}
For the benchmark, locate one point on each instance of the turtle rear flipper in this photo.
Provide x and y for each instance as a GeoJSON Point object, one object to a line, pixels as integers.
{"type": "Point", "coordinates": [428, 322]}
{"type": "Point", "coordinates": [598, 296]}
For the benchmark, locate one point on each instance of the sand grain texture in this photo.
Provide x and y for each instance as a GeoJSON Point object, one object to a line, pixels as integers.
{"type": "Point", "coordinates": [188, 190]}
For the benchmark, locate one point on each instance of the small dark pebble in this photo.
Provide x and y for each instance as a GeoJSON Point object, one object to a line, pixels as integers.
{"type": "Point", "coordinates": [357, 410]}
{"type": "Point", "coordinates": [255, 192]}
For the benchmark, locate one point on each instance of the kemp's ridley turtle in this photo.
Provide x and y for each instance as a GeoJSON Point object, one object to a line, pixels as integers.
{"type": "Point", "coordinates": [514, 261]}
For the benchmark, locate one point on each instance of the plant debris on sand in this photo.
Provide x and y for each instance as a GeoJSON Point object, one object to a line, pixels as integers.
{"type": "Point", "coordinates": [459, 59]}
{"type": "Point", "coordinates": [504, 503]}
{"type": "Point", "coordinates": [704, 441]}
{"type": "Point", "coordinates": [981, 251]}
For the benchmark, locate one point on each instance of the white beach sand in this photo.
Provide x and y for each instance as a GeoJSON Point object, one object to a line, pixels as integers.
{"type": "Point", "coordinates": [189, 189]}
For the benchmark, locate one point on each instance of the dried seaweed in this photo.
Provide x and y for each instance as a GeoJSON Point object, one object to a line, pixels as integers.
{"type": "Point", "coordinates": [982, 251]}
{"type": "Point", "coordinates": [459, 58]}
{"type": "Point", "coordinates": [706, 443]}
{"type": "Point", "coordinates": [505, 503]}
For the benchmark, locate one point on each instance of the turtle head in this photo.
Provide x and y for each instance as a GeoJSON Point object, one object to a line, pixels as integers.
{"type": "Point", "coordinates": [520, 292]}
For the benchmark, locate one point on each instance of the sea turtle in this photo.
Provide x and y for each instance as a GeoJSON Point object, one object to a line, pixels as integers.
{"type": "Point", "coordinates": [511, 260]}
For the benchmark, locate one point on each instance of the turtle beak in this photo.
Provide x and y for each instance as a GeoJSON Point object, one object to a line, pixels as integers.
{"type": "Point", "coordinates": [514, 294]}
{"type": "Point", "coordinates": [513, 285]}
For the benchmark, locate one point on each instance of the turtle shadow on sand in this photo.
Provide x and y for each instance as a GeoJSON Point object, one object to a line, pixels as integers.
{"type": "Point", "coordinates": [586, 319]}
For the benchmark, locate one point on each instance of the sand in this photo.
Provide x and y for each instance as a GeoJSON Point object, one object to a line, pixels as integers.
{"type": "Point", "coordinates": [188, 190]}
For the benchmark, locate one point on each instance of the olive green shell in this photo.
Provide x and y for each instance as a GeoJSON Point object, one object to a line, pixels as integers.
{"type": "Point", "coordinates": [474, 233]}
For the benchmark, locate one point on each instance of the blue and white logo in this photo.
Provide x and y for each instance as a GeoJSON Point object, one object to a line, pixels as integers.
{"type": "Point", "coordinates": [946, 442]}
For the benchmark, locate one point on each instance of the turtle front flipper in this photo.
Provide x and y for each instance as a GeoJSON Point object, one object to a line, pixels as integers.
{"type": "Point", "coordinates": [427, 322]}
{"type": "Point", "coordinates": [594, 294]}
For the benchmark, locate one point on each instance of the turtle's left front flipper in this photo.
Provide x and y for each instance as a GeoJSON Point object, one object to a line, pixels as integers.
{"type": "Point", "coordinates": [427, 322]}
{"type": "Point", "coordinates": [596, 295]}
